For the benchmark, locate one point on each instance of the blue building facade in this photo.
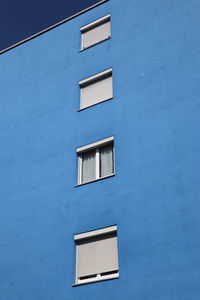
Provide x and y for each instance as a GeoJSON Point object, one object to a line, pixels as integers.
{"type": "Point", "coordinates": [153, 197]}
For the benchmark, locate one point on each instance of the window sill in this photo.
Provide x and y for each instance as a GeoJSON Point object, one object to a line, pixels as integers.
{"type": "Point", "coordinates": [103, 278]}
{"type": "Point", "coordinates": [94, 104]}
{"type": "Point", "coordinates": [80, 184]}
{"type": "Point", "coordinates": [93, 45]}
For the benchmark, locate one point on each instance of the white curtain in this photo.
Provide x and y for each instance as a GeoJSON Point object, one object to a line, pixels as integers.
{"type": "Point", "coordinates": [88, 166]}
{"type": "Point", "coordinates": [106, 160]}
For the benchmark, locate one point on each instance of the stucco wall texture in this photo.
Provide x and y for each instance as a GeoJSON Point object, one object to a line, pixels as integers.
{"type": "Point", "coordinates": [154, 198]}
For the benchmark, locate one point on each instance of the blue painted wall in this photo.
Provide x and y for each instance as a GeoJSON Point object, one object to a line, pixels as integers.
{"type": "Point", "coordinates": [154, 116]}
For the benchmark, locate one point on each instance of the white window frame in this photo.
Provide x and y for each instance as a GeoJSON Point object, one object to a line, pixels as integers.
{"type": "Point", "coordinates": [92, 79]}
{"type": "Point", "coordinates": [91, 234]}
{"type": "Point", "coordinates": [96, 145]}
{"type": "Point", "coordinates": [92, 25]}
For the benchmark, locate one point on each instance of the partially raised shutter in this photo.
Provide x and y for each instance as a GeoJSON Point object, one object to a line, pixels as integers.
{"type": "Point", "coordinates": [97, 255]}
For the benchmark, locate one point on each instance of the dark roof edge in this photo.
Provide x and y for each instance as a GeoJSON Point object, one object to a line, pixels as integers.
{"type": "Point", "coordinates": [54, 26]}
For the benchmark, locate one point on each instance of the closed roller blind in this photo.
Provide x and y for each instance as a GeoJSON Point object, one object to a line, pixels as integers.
{"type": "Point", "coordinates": [98, 255]}
{"type": "Point", "coordinates": [96, 34]}
{"type": "Point", "coordinates": [96, 92]}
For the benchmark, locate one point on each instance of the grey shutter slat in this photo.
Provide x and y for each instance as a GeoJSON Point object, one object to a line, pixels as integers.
{"type": "Point", "coordinates": [97, 256]}
{"type": "Point", "coordinates": [96, 34]}
{"type": "Point", "coordinates": [96, 92]}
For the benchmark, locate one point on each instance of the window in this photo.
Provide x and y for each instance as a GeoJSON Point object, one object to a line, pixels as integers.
{"type": "Point", "coordinates": [96, 89]}
{"type": "Point", "coordinates": [95, 32]}
{"type": "Point", "coordinates": [96, 160]}
{"type": "Point", "coordinates": [96, 255]}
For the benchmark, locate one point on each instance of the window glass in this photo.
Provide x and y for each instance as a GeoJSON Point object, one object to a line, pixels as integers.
{"type": "Point", "coordinates": [88, 166]}
{"type": "Point", "coordinates": [106, 160]}
{"type": "Point", "coordinates": [95, 160]}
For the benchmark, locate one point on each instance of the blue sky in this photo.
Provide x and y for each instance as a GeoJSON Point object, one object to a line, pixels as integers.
{"type": "Point", "coordinates": [20, 19]}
